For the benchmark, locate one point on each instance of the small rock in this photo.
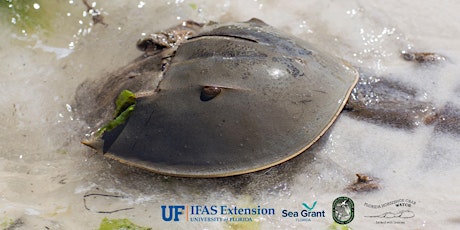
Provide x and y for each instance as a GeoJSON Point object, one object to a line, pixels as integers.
{"type": "Point", "coordinates": [364, 183]}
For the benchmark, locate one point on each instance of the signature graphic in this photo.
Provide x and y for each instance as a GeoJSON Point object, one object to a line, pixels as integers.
{"type": "Point", "coordinates": [401, 214]}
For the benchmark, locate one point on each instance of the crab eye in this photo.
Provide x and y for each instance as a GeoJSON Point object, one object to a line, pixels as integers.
{"type": "Point", "coordinates": [209, 92]}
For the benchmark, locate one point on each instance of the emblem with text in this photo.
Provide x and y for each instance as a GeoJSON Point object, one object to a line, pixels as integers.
{"type": "Point", "coordinates": [343, 210]}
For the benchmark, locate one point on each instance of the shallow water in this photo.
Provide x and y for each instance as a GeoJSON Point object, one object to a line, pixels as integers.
{"type": "Point", "coordinates": [45, 172]}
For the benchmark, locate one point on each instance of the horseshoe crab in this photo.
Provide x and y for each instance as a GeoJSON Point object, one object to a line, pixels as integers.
{"type": "Point", "coordinates": [229, 99]}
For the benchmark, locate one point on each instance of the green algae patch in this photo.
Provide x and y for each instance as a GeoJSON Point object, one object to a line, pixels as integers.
{"type": "Point", "coordinates": [125, 99]}
{"type": "Point", "coordinates": [120, 224]}
{"type": "Point", "coordinates": [336, 226]}
{"type": "Point", "coordinates": [252, 225]}
{"type": "Point", "coordinates": [125, 105]}
{"type": "Point", "coordinates": [7, 222]}
{"type": "Point", "coordinates": [193, 6]}
{"type": "Point", "coordinates": [28, 16]}
{"type": "Point", "coordinates": [244, 222]}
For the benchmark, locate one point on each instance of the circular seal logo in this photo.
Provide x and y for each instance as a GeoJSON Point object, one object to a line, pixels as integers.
{"type": "Point", "coordinates": [343, 210]}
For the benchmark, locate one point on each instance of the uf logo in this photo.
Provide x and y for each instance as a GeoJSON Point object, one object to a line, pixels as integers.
{"type": "Point", "coordinates": [174, 212]}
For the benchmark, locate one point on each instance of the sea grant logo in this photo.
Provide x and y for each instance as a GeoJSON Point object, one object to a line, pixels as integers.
{"type": "Point", "coordinates": [213, 213]}
{"type": "Point", "coordinates": [307, 214]}
{"type": "Point", "coordinates": [343, 210]}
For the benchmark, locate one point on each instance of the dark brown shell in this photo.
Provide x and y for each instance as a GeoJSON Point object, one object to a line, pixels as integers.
{"type": "Point", "coordinates": [269, 97]}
